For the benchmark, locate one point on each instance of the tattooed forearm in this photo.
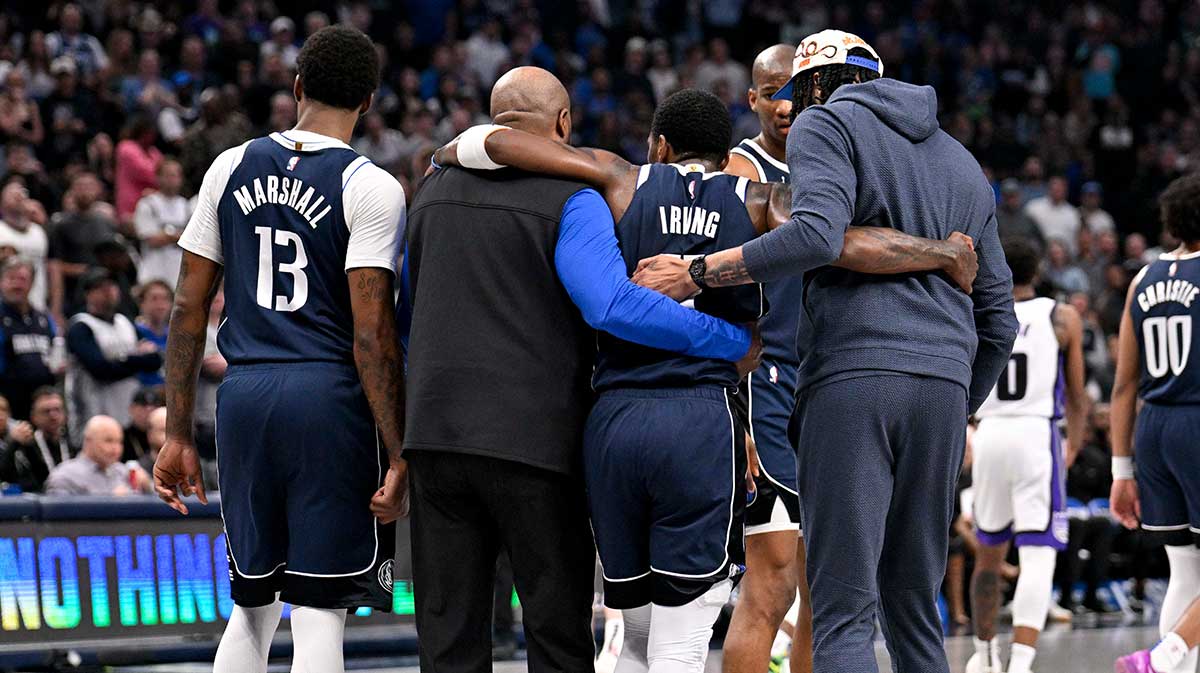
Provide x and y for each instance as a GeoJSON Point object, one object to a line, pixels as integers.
{"type": "Point", "coordinates": [726, 268]}
{"type": "Point", "coordinates": [377, 354]}
{"type": "Point", "coordinates": [880, 250]}
{"type": "Point", "coordinates": [199, 279]}
{"type": "Point", "coordinates": [985, 601]}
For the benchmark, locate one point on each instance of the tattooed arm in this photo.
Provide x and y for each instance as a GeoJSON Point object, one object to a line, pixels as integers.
{"type": "Point", "coordinates": [177, 469]}
{"type": "Point", "coordinates": [377, 353]}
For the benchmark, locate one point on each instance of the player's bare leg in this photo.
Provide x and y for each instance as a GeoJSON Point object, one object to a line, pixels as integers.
{"type": "Point", "coordinates": [986, 595]}
{"type": "Point", "coordinates": [801, 657]}
{"type": "Point", "coordinates": [767, 592]}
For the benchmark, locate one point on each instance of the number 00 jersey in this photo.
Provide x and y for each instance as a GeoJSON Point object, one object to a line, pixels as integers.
{"type": "Point", "coordinates": [1032, 383]}
{"type": "Point", "coordinates": [287, 215]}
{"type": "Point", "coordinates": [1165, 303]}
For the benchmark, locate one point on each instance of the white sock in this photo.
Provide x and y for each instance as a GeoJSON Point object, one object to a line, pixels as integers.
{"type": "Point", "coordinates": [989, 652]}
{"type": "Point", "coordinates": [1031, 599]}
{"type": "Point", "coordinates": [1169, 653]}
{"type": "Point", "coordinates": [1020, 658]}
{"type": "Point", "coordinates": [1183, 586]}
{"type": "Point", "coordinates": [317, 636]}
{"type": "Point", "coordinates": [781, 644]}
{"type": "Point", "coordinates": [679, 635]}
{"type": "Point", "coordinates": [246, 642]}
{"type": "Point", "coordinates": [636, 640]}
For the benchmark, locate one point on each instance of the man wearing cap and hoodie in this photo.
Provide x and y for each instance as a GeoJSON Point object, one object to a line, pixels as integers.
{"type": "Point", "coordinates": [894, 364]}
{"type": "Point", "coordinates": [105, 355]}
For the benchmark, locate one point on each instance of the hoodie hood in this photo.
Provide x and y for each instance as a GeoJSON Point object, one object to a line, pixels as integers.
{"type": "Point", "coordinates": [908, 109]}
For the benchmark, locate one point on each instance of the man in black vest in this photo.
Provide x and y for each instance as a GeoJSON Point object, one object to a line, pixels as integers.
{"type": "Point", "coordinates": [26, 339]}
{"type": "Point", "coordinates": [509, 274]}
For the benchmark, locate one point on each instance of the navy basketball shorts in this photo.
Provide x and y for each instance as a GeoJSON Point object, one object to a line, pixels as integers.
{"type": "Point", "coordinates": [664, 471]}
{"type": "Point", "coordinates": [1020, 482]}
{"type": "Point", "coordinates": [299, 460]}
{"type": "Point", "coordinates": [770, 396]}
{"type": "Point", "coordinates": [1168, 471]}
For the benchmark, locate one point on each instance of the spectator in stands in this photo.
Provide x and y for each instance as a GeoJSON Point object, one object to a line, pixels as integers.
{"type": "Point", "coordinates": [1011, 218]}
{"type": "Point", "coordinates": [193, 62]}
{"type": "Point", "coordinates": [136, 169]}
{"type": "Point", "coordinates": [1137, 254]}
{"type": "Point", "coordinates": [1056, 218]}
{"type": "Point", "coordinates": [147, 91]}
{"type": "Point", "coordinates": [720, 67]}
{"type": "Point", "coordinates": [383, 146]}
{"type": "Point", "coordinates": [74, 235]}
{"type": "Point", "coordinates": [27, 340]}
{"type": "Point", "coordinates": [282, 42]}
{"type": "Point", "coordinates": [159, 220]}
{"type": "Point", "coordinates": [662, 74]}
{"type": "Point", "coordinates": [98, 469]}
{"type": "Point", "coordinates": [156, 436]}
{"type": "Point", "coordinates": [19, 116]}
{"type": "Point", "coordinates": [1095, 219]}
{"type": "Point", "coordinates": [30, 457]}
{"type": "Point", "coordinates": [486, 52]}
{"type": "Point", "coordinates": [35, 66]}
{"type": "Point", "coordinates": [1061, 271]}
{"type": "Point", "coordinates": [219, 129]}
{"type": "Point", "coordinates": [154, 311]}
{"type": "Point", "coordinates": [13, 433]}
{"type": "Point", "coordinates": [115, 256]}
{"type": "Point", "coordinates": [70, 41]}
{"type": "Point", "coordinates": [1105, 252]}
{"type": "Point", "coordinates": [105, 354]}
{"type": "Point", "coordinates": [137, 444]}
{"type": "Point", "coordinates": [283, 112]}
{"type": "Point", "coordinates": [27, 238]}
{"type": "Point", "coordinates": [69, 114]}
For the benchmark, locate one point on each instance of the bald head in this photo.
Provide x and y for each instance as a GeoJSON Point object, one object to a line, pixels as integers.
{"type": "Point", "coordinates": [772, 64]}
{"type": "Point", "coordinates": [533, 100]}
{"type": "Point", "coordinates": [102, 440]}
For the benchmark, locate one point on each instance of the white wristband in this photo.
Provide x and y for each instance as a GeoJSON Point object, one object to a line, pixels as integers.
{"type": "Point", "coordinates": [471, 150]}
{"type": "Point", "coordinates": [1122, 467]}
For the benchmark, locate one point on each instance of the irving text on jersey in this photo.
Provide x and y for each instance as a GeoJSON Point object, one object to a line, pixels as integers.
{"type": "Point", "coordinates": [283, 191]}
{"type": "Point", "coordinates": [688, 220]}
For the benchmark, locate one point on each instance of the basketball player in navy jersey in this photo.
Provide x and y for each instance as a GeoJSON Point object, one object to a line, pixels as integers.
{"type": "Point", "coordinates": [667, 515]}
{"type": "Point", "coordinates": [305, 233]}
{"type": "Point", "coordinates": [1019, 468]}
{"type": "Point", "coordinates": [1158, 337]}
{"type": "Point", "coordinates": [774, 544]}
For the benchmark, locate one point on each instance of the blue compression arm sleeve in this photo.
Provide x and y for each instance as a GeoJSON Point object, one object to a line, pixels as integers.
{"type": "Point", "coordinates": [590, 266]}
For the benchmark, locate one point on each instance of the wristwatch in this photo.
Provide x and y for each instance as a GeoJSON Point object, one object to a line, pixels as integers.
{"type": "Point", "coordinates": [696, 270]}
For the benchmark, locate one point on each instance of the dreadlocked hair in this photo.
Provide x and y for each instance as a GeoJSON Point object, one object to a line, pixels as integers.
{"type": "Point", "coordinates": [804, 93]}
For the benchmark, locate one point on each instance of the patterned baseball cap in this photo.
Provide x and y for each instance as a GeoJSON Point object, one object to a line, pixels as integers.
{"type": "Point", "coordinates": [826, 48]}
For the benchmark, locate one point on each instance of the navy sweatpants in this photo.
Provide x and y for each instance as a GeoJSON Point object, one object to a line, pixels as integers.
{"type": "Point", "coordinates": [879, 459]}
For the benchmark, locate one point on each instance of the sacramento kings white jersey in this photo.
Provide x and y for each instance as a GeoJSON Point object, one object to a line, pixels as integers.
{"type": "Point", "coordinates": [1032, 383]}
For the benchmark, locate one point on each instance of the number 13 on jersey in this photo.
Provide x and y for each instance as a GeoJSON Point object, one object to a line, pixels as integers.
{"type": "Point", "coordinates": [267, 243]}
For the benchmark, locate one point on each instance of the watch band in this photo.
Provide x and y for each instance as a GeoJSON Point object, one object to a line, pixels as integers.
{"type": "Point", "coordinates": [697, 269]}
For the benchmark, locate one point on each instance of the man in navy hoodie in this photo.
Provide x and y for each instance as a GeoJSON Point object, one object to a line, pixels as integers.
{"type": "Point", "coordinates": [894, 364]}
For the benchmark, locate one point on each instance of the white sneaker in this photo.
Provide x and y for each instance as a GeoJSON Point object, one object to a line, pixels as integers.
{"type": "Point", "coordinates": [1058, 613]}
{"type": "Point", "coordinates": [978, 664]}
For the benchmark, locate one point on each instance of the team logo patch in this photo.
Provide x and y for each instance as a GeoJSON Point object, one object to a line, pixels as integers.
{"type": "Point", "coordinates": [292, 163]}
{"type": "Point", "coordinates": [385, 575]}
{"type": "Point", "coordinates": [774, 374]}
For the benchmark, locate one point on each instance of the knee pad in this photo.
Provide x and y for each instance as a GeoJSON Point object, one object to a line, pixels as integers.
{"type": "Point", "coordinates": [1031, 600]}
{"type": "Point", "coordinates": [1183, 586]}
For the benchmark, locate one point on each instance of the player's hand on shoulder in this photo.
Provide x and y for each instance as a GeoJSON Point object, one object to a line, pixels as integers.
{"type": "Point", "coordinates": [962, 263]}
{"type": "Point", "coordinates": [390, 502]}
{"type": "Point", "coordinates": [666, 274]}
{"type": "Point", "coordinates": [177, 473]}
{"type": "Point", "coordinates": [1124, 504]}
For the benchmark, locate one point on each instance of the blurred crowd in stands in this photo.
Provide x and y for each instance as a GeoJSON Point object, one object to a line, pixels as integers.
{"type": "Point", "coordinates": [112, 110]}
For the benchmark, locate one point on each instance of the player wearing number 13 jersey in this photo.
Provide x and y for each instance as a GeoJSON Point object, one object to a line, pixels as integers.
{"type": "Point", "coordinates": [306, 234]}
{"type": "Point", "coordinates": [1019, 468]}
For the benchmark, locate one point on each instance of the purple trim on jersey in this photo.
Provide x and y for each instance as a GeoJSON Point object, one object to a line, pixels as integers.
{"type": "Point", "coordinates": [1055, 535]}
{"type": "Point", "coordinates": [1060, 387]}
{"type": "Point", "coordinates": [994, 539]}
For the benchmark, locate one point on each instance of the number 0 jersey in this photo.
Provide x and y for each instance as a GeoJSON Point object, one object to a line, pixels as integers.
{"type": "Point", "coordinates": [1032, 383]}
{"type": "Point", "coordinates": [1165, 303]}
{"type": "Point", "coordinates": [287, 215]}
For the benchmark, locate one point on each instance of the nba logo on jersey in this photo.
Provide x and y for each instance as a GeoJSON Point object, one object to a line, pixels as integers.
{"type": "Point", "coordinates": [291, 165]}
{"type": "Point", "coordinates": [692, 189]}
